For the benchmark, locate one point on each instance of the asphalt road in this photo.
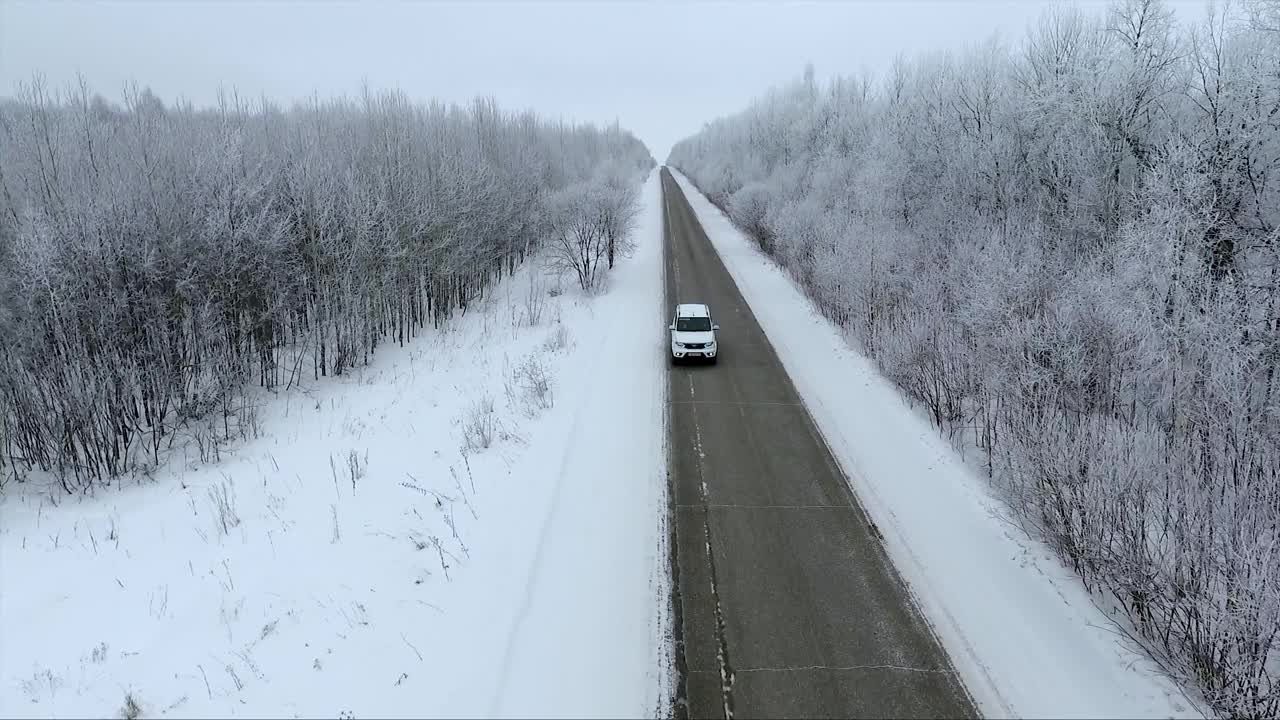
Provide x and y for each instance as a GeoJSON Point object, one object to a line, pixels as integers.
{"type": "Point", "coordinates": [786, 602]}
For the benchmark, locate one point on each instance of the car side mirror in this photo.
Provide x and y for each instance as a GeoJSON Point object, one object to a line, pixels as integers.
{"type": "Point", "coordinates": [715, 327]}
{"type": "Point", "coordinates": [672, 326]}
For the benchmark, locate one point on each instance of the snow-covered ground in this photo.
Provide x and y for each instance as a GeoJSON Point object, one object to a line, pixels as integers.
{"type": "Point", "coordinates": [361, 564]}
{"type": "Point", "coordinates": [1021, 629]}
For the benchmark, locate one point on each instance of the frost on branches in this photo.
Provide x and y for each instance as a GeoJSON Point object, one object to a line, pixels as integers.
{"type": "Point", "coordinates": [155, 262]}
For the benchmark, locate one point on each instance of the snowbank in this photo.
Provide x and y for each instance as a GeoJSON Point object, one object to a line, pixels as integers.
{"type": "Point", "coordinates": [354, 561]}
{"type": "Point", "coordinates": [1021, 629]}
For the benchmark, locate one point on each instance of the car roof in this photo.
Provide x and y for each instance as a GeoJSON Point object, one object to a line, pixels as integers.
{"type": "Point", "coordinates": [692, 310]}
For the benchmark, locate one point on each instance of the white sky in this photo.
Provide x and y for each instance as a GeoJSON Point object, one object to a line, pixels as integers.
{"type": "Point", "coordinates": [661, 69]}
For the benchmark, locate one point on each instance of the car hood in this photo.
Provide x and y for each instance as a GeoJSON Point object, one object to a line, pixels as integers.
{"type": "Point", "coordinates": [693, 337]}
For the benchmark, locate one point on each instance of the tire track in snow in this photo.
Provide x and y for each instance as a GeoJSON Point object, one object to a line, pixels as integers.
{"type": "Point", "coordinates": [549, 520]}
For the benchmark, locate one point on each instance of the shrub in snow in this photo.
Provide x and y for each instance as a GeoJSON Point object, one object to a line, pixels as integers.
{"type": "Point", "coordinates": [530, 385]}
{"type": "Point", "coordinates": [535, 302]}
{"type": "Point", "coordinates": [131, 709]}
{"type": "Point", "coordinates": [557, 339]}
{"type": "Point", "coordinates": [480, 424]}
{"type": "Point", "coordinates": [223, 499]}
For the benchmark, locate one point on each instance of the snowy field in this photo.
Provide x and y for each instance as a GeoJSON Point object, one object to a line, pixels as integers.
{"type": "Point", "coordinates": [356, 561]}
{"type": "Point", "coordinates": [1025, 636]}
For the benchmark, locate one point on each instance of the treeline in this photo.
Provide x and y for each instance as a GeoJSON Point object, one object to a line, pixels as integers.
{"type": "Point", "coordinates": [158, 262]}
{"type": "Point", "coordinates": [1067, 251]}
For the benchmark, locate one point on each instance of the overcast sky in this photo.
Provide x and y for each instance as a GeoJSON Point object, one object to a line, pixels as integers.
{"type": "Point", "coordinates": [662, 69]}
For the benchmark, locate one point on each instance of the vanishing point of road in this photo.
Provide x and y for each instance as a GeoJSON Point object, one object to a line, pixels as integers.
{"type": "Point", "coordinates": [786, 603]}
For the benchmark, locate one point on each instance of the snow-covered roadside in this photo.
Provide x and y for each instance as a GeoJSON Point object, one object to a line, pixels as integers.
{"type": "Point", "coordinates": [1022, 631]}
{"type": "Point", "coordinates": [353, 561]}
{"type": "Point", "coordinates": [595, 594]}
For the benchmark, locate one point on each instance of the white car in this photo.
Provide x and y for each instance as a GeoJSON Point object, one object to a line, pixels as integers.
{"type": "Point", "coordinates": [693, 334]}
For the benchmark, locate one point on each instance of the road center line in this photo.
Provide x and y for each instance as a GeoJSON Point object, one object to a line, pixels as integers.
{"type": "Point", "coordinates": [733, 402]}
{"type": "Point", "coordinates": [722, 506]}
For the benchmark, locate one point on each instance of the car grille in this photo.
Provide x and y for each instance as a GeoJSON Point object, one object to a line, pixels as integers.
{"type": "Point", "coordinates": [695, 346]}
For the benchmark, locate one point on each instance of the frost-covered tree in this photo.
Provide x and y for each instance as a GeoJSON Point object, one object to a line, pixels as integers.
{"type": "Point", "coordinates": [156, 260]}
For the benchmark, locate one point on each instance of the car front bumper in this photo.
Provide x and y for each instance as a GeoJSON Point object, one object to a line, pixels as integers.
{"type": "Point", "coordinates": [682, 352]}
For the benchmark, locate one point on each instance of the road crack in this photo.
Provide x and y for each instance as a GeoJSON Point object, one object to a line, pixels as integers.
{"type": "Point", "coordinates": [722, 643]}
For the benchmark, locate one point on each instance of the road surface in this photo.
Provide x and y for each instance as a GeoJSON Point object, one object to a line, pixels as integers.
{"type": "Point", "coordinates": [786, 603]}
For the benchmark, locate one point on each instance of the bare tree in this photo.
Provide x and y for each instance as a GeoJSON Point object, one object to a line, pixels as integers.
{"type": "Point", "coordinates": [619, 209]}
{"type": "Point", "coordinates": [580, 242]}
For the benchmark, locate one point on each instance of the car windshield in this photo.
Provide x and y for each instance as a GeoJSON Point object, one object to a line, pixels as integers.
{"type": "Point", "coordinates": [693, 324]}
